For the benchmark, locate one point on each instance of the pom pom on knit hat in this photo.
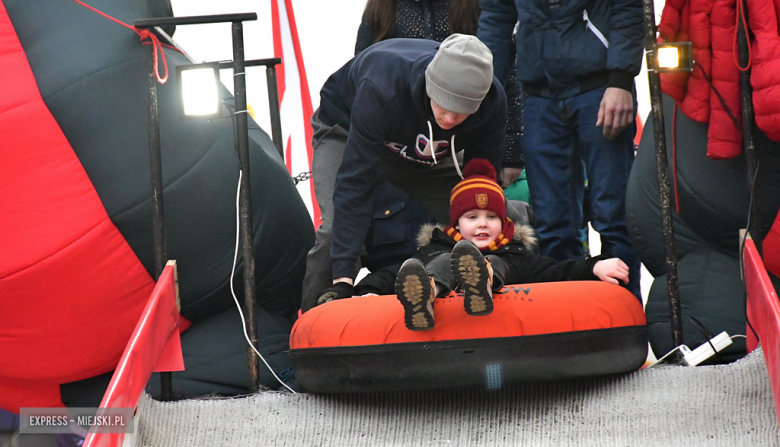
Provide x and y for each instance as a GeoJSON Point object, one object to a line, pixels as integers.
{"type": "Point", "coordinates": [477, 190]}
{"type": "Point", "coordinates": [480, 166]}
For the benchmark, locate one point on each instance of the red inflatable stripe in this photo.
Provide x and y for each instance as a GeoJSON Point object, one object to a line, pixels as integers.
{"type": "Point", "coordinates": [71, 287]}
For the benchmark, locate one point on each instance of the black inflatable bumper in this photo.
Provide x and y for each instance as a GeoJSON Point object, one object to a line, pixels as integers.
{"type": "Point", "coordinates": [489, 362]}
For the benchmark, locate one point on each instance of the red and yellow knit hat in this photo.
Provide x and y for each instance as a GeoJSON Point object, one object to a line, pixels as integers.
{"type": "Point", "coordinates": [479, 190]}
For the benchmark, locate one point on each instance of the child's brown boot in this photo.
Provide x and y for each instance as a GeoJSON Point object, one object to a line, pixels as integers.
{"type": "Point", "coordinates": [475, 275]}
{"type": "Point", "coordinates": [416, 291]}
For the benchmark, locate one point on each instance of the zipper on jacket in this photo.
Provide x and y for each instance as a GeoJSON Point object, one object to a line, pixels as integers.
{"type": "Point", "coordinates": [592, 27]}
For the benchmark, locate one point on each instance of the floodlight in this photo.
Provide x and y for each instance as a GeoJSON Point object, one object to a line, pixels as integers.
{"type": "Point", "coordinates": [668, 57]}
{"type": "Point", "coordinates": [674, 56]}
{"type": "Point", "coordinates": [199, 90]}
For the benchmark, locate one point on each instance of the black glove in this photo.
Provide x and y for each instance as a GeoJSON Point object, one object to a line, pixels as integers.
{"type": "Point", "coordinates": [337, 291]}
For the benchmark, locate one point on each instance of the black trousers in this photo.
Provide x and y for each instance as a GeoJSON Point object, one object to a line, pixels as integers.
{"type": "Point", "coordinates": [441, 271]}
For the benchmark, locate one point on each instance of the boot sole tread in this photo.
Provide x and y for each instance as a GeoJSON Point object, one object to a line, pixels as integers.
{"type": "Point", "coordinates": [413, 288]}
{"type": "Point", "coordinates": [471, 271]}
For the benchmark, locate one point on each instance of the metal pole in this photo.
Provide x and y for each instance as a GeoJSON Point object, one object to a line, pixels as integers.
{"type": "Point", "coordinates": [245, 201]}
{"type": "Point", "coordinates": [273, 102]}
{"type": "Point", "coordinates": [748, 120]}
{"type": "Point", "coordinates": [273, 96]}
{"type": "Point", "coordinates": [245, 205]}
{"type": "Point", "coordinates": [158, 221]}
{"type": "Point", "coordinates": [193, 20]}
{"type": "Point", "coordinates": [664, 187]}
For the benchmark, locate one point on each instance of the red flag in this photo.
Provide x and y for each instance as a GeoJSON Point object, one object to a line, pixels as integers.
{"type": "Point", "coordinates": [294, 101]}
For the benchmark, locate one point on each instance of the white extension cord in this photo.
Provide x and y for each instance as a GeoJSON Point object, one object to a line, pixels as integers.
{"type": "Point", "coordinates": [233, 292]}
{"type": "Point", "coordinates": [705, 351]}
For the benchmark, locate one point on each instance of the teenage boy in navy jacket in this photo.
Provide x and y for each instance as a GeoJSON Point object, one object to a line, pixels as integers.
{"type": "Point", "coordinates": [576, 61]}
{"type": "Point", "coordinates": [398, 112]}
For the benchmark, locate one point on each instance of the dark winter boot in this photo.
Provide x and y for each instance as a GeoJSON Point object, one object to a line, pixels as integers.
{"type": "Point", "coordinates": [416, 291]}
{"type": "Point", "coordinates": [474, 274]}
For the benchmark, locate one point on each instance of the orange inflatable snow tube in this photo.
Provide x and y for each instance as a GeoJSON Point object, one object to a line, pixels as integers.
{"type": "Point", "coordinates": [536, 331]}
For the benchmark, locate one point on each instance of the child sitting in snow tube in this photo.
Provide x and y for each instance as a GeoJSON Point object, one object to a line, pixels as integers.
{"type": "Point", "coordinates": [476, 253]}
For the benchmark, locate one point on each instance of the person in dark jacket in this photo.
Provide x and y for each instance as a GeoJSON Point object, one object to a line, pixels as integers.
{"type": "Point", "coordinates": [396, 218]}
{"type": "Point", "coordinates": [436, 20]}
{"type": "Point", "coordinates": [454, 256]}
{"type": "Point", "coordinates": [398, 112]}
{"type": "Point", "coordinates": [576, 61]}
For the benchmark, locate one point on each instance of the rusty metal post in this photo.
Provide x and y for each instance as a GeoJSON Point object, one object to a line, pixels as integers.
{"type": "Point", "coordinates": [245, 201]}
{"type": "Point", "coordinates": [664, 186]}
{"type": "Point", "coordinates": [748, 143]}
{"type": "Point", "coordinates": [158, 220]}
{"type": "Point", "coordinates": [273, 96]}
{"type": "Point", "coordinates": [273, 103]}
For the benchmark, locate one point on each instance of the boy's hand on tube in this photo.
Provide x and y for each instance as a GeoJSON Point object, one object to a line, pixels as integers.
{"type": "Point", "coordinates": [337, 291]}
{"type": "Point", "coordinates": [611, 270]}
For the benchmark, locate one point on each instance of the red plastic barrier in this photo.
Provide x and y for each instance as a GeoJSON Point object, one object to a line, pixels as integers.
{"type": "Point", "coordinates": [763, 311]}
{"type": "Point", "coordinates": [155, 346]}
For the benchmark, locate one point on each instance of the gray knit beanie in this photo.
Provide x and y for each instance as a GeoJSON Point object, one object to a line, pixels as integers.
{"type": "Point", "coordinates": [460, 74]}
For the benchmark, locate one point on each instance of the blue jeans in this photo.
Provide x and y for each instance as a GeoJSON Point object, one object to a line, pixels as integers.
{"type": "Point", "coordinates": [561, 142]}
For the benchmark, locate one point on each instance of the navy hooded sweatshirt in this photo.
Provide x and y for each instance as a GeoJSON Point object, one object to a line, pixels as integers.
{"type": "Point", "coordinates": [379, 97]}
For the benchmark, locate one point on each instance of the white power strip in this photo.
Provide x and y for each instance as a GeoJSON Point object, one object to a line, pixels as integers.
{"type": "Point", "coordinates": [703, 352]}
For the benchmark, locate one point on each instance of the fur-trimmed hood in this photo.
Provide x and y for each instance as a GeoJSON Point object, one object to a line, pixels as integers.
{"type": "Point", "coordinates": [523, 233]}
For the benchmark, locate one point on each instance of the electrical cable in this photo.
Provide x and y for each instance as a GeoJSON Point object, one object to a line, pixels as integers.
{"type": "Point", "coordinates": [720, 97]}
{"type": "Point", "coordinates": [678, 347]}
{"type": "Point", "coordinates": [755, 334]}
{"type": "Point", "coordinates": [233, 292]}
{"type": "Point", "coordinates": [665, 356]}
{"type": "Point", "coordinates": [742, 245]}
{"type": "Point", "coordinates": [235, 254]}
{"type": "Point", "coordinates": [704, 332]}
{"type": "Point", "coordinates": [747, 225]}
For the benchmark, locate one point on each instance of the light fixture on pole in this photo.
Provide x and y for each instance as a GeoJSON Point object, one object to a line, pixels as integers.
{"type": "Point", "coordinates": [664, 184]}
{"type": "Point", "coordinates": [670, 57]}
{"type": "Point", "coordinates": [242, 146]}
{"type": "Point", "coordinates": [199, 90]}
{"type": "Point", "coordinates": [200, 97]}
